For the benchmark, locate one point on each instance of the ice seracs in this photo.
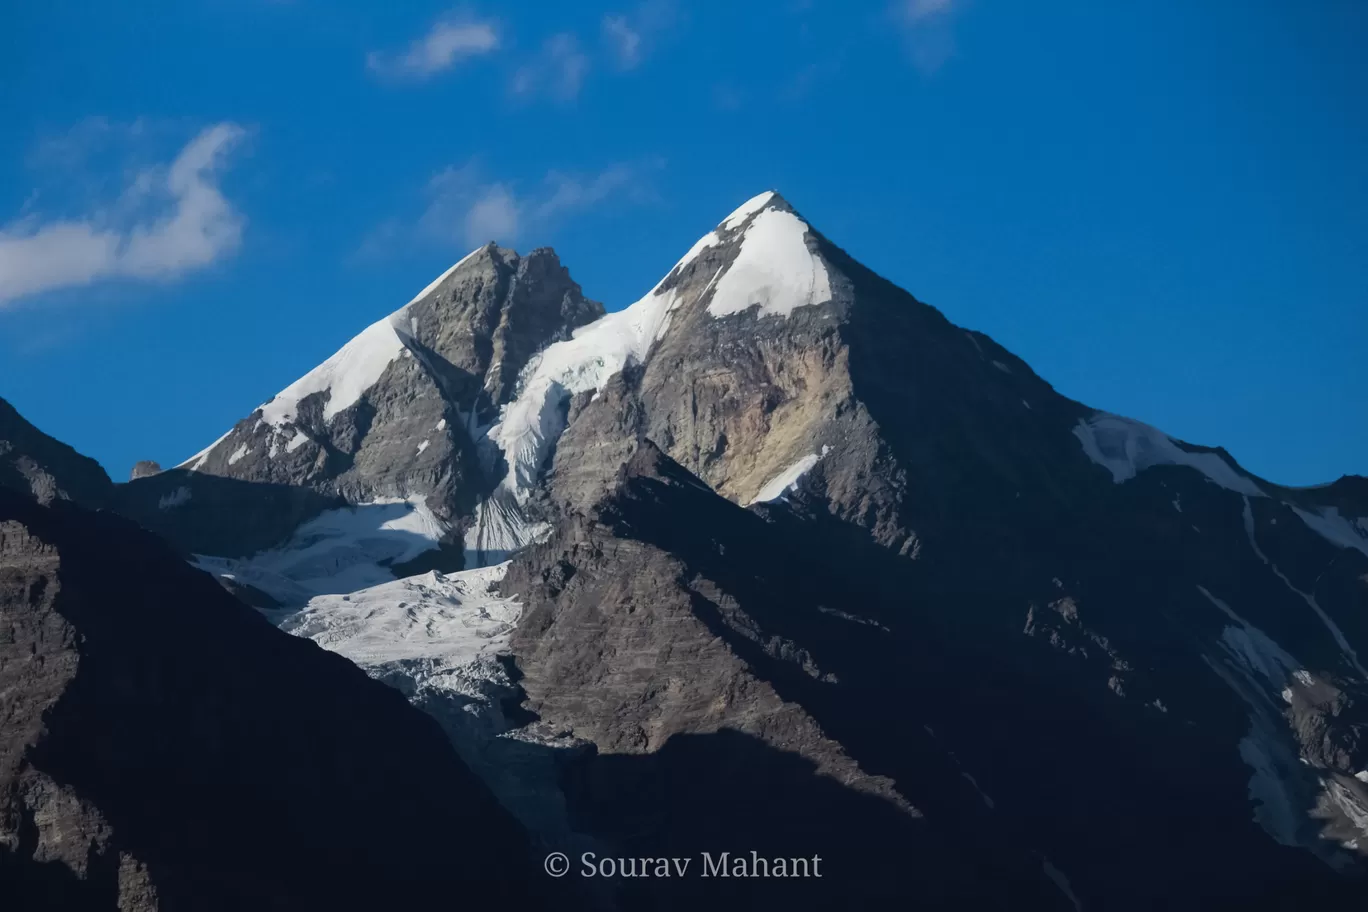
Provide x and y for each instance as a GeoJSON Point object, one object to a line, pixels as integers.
{"type": "Point", "coordinates": [443, 620]}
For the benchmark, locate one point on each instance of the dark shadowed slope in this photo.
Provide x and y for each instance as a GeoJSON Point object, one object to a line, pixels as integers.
{"type": "Point", "coordinates": [32, 462]}
{"type": "Point", "coordinates": [166, 748]}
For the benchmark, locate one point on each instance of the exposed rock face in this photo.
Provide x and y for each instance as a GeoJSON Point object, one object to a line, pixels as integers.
{"type": "Point", "coordinates": [144, 469]}
{"type": "Point", "coordinates": [659, 663]}
{"type": "Point", "coordinates": [666, 613]}
{"type": "Point", "coordinates": [437, 368]}
{"type": "Point", "coordinates": [34, 463]}
{"type": "Point", "coordinates": [165, 748]}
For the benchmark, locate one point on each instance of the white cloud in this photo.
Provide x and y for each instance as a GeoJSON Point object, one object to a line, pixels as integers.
{"type": "Point", "coordinates": [464, 208]}
{"type": "Point", "coordinates": [185, 224]}
{"type": "Point", "coordinates": [494, 214]}
{"type": "Point", "coordinates": [557, 71]}
{"type": "Point", "coordinates": [624, 40]}
{"type": "Point", "coordinates": [629, 35]}
{"type": "Point", "coordinates": [926, 23]}
{"type": "Point", "coordinates": [567, 193]}
{"type": "Point", "coordinates": [447, 43]}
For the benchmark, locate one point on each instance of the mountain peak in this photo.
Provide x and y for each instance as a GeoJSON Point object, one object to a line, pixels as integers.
{"type": "Point", "coordinates": [770, 199]}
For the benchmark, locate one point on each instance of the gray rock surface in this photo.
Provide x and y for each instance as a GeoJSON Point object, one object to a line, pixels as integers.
{"type": "Point", "coordinates": [144, 469]}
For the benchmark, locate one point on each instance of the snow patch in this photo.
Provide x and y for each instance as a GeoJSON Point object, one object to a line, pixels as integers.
{"type": "Point", "coordinates": [1059, 880]}
{"type": "Point", "coordinates": [1253, 648]}
{"type": "Point", "coordinates": [774, 269]}
{"type": "Point", "coordinates": [1254, 662]}
{"type": "Point", "coordinates": [1002, 367]}
{"type": "Point", "coordinates": [194, 462]}
{"type": "Point", "coordinates": [298, 440]}
{"type": "Point", "coordinates": [441, 425]}
{"type": "Point", "coordinates": [1339, 530]}
{"type": "Point", "coordinates": [238, 454]}
{"type": "Point", "coordinates": [787, 481]}
{"type": "Point", "coordinates": [174, 499]}
{"type": "Point", "coordinates": [982, 794]}
{"type": "Point", "coordinates": [338, 551]}
{"type": "Point", "coordinates": [423, 446]}
{"type": "Point", "coordinates": [1338, 635]}
{"type": "Point", "coordinates": [1126, 448]}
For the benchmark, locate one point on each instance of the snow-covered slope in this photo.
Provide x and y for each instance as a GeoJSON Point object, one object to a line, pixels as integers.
{"type": "Point", "coordinates": [1125, 447]}
{"type": "Point", "coordinates": [338, 551]}
{"type": "Point", "coordinates": [345, 376]}
{"type": "Point", "coordinates": [437, 625]}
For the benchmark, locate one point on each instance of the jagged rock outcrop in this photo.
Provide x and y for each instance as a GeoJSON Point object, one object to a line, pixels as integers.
{"type": "Point", "coordinates": [145, 468]}
{"type": "Point", "coordinates": [34, 463]}
{"type": "Point", "coordinates": [165, 748]}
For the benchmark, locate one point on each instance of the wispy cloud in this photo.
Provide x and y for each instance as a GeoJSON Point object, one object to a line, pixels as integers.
{"type": "Point", "coordinates": [927, 26]}
{"type": "Point", "coordinates": [629, 36]}
{"type": "Point", "coordinates": [168, 221]}
{"type": "Point", "coordinates": [449, 41]}
{"type": "Point", "coordinates": [624, 40]}
{"type": "Point", "coordinates": [558, 70]}
{"type": "Point", "coordinates": [463, 207]}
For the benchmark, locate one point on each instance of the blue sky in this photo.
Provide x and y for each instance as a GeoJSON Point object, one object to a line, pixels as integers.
{"type": "Point", "coordinates": [1163, 207]}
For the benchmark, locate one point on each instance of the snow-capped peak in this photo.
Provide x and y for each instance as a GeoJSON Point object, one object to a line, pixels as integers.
{"type": "Point", "coordinates": [775, 269]}
{"type": "Point", "coordinates": [747, 209]}
{"type": "Point", "coordinates": [772, 267]}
